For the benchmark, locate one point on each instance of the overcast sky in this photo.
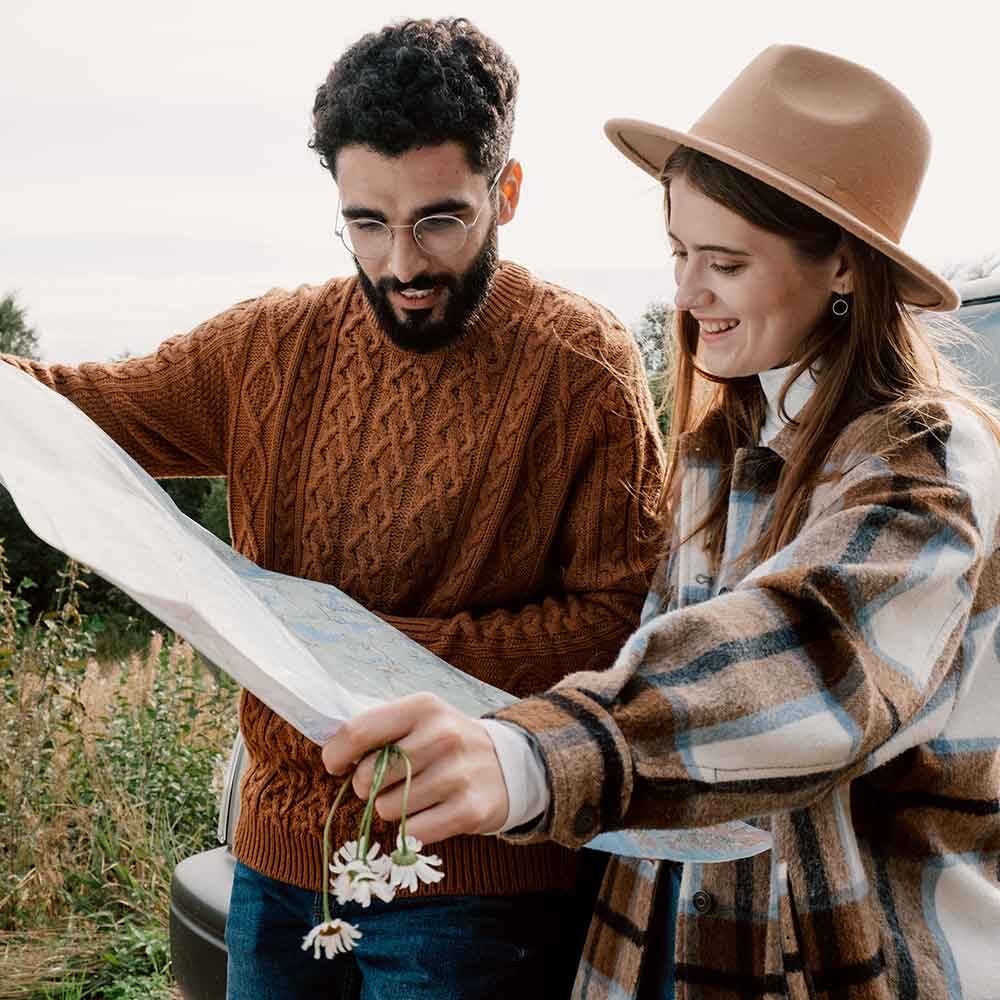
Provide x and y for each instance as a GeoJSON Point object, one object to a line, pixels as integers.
{"type": "Point", "coordinates": [154, 169]}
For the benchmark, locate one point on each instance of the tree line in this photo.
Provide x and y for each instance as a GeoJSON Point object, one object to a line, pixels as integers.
{"type": "Point", "coordinates": [35, 568]}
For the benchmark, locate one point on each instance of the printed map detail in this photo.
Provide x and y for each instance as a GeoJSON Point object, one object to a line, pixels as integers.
{"type": "Point", "coordinates": [365, 654]}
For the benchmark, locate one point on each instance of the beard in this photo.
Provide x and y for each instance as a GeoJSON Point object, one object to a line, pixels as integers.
{"type": "Point", "coordinates": [466, 294]}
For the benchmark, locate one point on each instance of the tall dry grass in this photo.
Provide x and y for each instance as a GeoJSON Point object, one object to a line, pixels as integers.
{"type": "Point", "coordinates": [110, 775]}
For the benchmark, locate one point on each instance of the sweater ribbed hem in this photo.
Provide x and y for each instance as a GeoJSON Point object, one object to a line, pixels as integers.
{"type": "Point", "coordinates": [475, 866]}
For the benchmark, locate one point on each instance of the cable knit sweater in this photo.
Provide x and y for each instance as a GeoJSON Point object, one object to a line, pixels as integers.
{"type": "Point", "coordinates": [493, 500]}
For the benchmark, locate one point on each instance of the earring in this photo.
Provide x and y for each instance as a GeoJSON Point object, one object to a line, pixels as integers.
{"type": "Point", "coordinates": [840, 306]}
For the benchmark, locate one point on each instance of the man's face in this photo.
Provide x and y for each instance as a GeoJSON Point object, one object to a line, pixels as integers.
{"type": "Point", "coordinates": [423, 302]}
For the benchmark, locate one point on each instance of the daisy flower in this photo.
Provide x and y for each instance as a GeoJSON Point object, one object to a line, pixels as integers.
{"type": "Point", "coordinates": [408, 867]}
{"type": "Point", "coordinates": [357, 879]}
{"type": "Point", "coordinates": [333, 937]}
{"type": "Point", "coordinates": [350, 852]}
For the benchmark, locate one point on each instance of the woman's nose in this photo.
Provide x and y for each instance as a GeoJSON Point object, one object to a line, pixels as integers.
{"type": "Point", "coordinates": [691, 293]}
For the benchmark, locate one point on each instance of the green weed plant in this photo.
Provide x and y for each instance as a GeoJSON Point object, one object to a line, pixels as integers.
{"type": "Point", "coordinates": [110, 776]}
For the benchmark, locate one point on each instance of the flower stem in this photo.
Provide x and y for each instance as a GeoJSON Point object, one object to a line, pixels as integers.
{"type": "Point", "coordinates": [406, 793]}
{"type": "Point", "coordinates": [326, 848]}
{"type": "Point", "coordinates": [378, 777]}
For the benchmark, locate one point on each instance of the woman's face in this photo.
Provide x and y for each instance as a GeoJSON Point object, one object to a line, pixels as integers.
{"type": "Point", "coordinates": [754, 296]}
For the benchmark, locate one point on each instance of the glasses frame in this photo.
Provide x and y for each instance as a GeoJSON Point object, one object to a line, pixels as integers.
{"type": "Point", "coordinates": [341, 231]}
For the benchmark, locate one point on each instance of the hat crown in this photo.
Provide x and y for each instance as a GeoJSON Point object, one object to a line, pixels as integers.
{"type": "Point", "coordinates": [828, 133]}
{"type": "Point", "coordinates": [830, 124]}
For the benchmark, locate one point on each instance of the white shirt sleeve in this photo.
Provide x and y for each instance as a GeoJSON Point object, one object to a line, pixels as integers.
{"type": "Point", "coordinates": [523, 773]}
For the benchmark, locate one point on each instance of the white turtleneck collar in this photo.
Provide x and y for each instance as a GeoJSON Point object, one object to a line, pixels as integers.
{"type": "Point", "coordinates": [799, 392]}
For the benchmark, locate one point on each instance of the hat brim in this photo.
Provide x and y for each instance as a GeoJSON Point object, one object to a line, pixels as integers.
{"type": "Point", "coordinates": [649, 146]}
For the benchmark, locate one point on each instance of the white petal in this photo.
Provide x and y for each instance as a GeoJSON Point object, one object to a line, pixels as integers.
{"type": "Point", "coordinates": [413, 846]}
{"type": "Point", "coordinates": [405, 877]}
{"type": "Point", "coordinates": [343, 889]}
{"type": "Point", "coordinates": [384, 890]}
{"type": "Point", "coordinates": [426, 873]}
{"type": "Point", "coordinates": [349, 934]}
{"type": "Point", "coordinates": [348, 852]}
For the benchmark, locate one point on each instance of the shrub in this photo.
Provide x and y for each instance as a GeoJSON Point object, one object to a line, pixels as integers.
{"type": "Point", "coordinates": [110, 777]}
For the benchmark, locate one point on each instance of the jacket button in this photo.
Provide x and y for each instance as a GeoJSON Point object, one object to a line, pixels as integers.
{"type": "Point", "coordinates": [703, 902]}
{"type": "Point", "coordinates": [585, 821]}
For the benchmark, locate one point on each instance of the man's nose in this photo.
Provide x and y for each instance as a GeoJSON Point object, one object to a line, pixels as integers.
{"type": "Point", "coordinates": [406, 258]}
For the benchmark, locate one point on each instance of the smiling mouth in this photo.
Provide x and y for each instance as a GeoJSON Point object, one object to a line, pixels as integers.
{"type": "Point", "coordinates": [423, 298]}
{"type": "Point", "coordinates": [714, 328]}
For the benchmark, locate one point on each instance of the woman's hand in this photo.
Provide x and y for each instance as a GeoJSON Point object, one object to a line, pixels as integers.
{"type": "Point", "coordinates": [457, 785]}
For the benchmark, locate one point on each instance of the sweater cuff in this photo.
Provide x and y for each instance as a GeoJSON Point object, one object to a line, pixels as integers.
{"type": "Point", "coordinates": [523, 773]}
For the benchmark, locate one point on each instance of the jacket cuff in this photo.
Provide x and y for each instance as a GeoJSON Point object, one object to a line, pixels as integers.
{"type": "Point", "coordinates": [587, 762]}
{"type": "Point", "coordinates": [523, 773]}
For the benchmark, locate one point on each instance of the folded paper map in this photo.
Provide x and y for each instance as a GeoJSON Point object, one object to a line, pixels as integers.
{"type": "Point", "coordinates": [306, 649]}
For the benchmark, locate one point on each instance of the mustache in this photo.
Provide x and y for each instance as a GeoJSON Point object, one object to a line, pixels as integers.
{"type": "Point", "coordinates": [421, 283]}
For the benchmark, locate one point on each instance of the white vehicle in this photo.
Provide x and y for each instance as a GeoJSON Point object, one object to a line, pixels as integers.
{"type": "Point", "coordinates": [978, 283]}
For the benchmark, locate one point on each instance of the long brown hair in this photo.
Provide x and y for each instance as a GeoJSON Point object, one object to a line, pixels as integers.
{"type": "Point", "coordinates": [876, 357]}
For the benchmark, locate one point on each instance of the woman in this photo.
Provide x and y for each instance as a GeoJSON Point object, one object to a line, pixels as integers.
{"type": "Point", "coordinates": [819, 653]}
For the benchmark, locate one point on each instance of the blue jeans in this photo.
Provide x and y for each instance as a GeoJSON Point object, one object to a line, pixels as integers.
{"type": "Point", "coordinates": [657, 979]}
{"type": "Point", "coordinates": [415, 948]}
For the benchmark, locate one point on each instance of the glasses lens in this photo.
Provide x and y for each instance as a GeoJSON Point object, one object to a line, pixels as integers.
{"type": "Point", "coordinates": [367, 238]}
{"type": "Point", "coordinates": [440, 235]}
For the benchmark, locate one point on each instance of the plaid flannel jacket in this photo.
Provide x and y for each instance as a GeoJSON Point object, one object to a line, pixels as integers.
{"type": "Point", "coordinates": [845, 695]}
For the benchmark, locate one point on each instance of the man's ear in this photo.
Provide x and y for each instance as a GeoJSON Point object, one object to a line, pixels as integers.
{"type": "Point", "coordinates": [510, 192]}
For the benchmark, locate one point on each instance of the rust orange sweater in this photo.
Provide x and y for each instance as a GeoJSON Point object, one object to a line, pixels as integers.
{"type": "Point", "coordinates": [492, 500]}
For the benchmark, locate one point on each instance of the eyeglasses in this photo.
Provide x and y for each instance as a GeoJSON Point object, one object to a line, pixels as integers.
{"type": "Point", "coordinates": [437, 235]}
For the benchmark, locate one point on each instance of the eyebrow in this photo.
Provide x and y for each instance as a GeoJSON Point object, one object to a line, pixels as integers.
{"type": "Point", "coordinates": [713, 248]}
{"type": "Point", "coordinates": [447, 206]}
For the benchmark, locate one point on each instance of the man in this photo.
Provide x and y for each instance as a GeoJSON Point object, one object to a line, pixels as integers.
{"type": "Point", "coordinates": [466, 450]}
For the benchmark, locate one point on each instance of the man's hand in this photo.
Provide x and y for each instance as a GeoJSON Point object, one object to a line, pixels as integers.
{"type": "Point", "coordinates": [457, 787]}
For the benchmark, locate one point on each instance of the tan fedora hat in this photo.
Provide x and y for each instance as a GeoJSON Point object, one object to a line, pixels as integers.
{"type": "Point", "coordinates": [827, 132]}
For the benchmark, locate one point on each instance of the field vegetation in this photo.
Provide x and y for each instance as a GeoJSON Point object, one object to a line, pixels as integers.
{"type": "Point", "coordinates": [110, 775]}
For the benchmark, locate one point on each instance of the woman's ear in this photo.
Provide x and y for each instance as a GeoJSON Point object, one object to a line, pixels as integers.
{"type": "Point", "coordinates": [843, 280]}
{"type": "Point", "coordinates": [510, 192]}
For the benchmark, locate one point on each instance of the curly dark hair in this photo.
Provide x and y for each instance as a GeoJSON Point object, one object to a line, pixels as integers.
{"type": "Point", "coordinates": [419, 83]}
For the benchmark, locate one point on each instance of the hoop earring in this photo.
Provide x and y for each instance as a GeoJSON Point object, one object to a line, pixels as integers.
{"type": "Point", "coordinates": [840, 306]}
